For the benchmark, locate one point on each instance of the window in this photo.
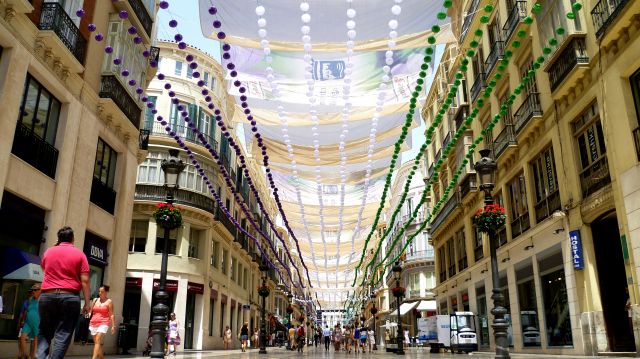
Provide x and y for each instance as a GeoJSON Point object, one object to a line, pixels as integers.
{"type": "Point", "coordinates": [518, 205]}
{"type": "Point", "coordinates": [635, 87]}
{"type": "Point", "coordinates": [178, 70]}
{"type": "Point", "coordinates": [206, 78]}
{"type": "Point", "coordinates": [240, 274]}
{"type": "Point", "coordinates": [125, 49]}
{"type": "Point", "coordinates": [330, 189]}
{"type": "Point", "coordinates": [173, 242]}
{"type": "Point", "coordinates": [451, 254]}
{"type": "Point", "coordinates": [148, 114]}
{"type": "Point", "coordinates": [225, 261]}
{"type": "Point", "coordinates": [104, 169]}
{"type": "Point", "coordinates": [553, 16]}
{"type": "Point", "coordinates": [207, 127]}
{"type": "Point", "coordinates": [212, 315]}
{"type": "Point", "coordinates": [556, 303]}
{"type": "Point", "coordinates": [245, 281]}
{"type": "Point", "coordinates": [194, 243]}
{"type": "Point", "coordinates": [414, 283]}
{"type": "Point", "coordinates": [189, 72]}
{"type": "Point", "coordinates": [40, 111]}
{"type": "Point", "coordinates": [547, 197]}
{"type": "Point", "coordinates": [442, 264]}
{"type": "Point", "coordinates": [138, 236]}
{"type": "Point", "coordinates": [234, 268]}
{"type": "Point", "coordinates": [215, 249]}
{"type": "Point", "coordinates": [594, 168]}
{"type": "Point", "coordinates": [528, 307]}
{"type": "Point", "coordinates": [149, 170]}
{"type": "Point", "coordinates": [477, 244]}
{"type": "Point", "coordinates": [461, 250]}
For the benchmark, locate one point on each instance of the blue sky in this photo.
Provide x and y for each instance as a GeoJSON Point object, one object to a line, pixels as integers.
{"type": "Point", "coordinates": [188, 17]}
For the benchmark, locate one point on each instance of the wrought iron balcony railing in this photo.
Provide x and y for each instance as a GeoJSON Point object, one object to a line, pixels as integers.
{"type": "Point", "coordinates": [226, 222]}
{"type": "Point", "coordinates": [547, 206]}
{"type": "Point", "coordinates": [529, 108]}
{"type": "Point", "coordinates": [102, 195]}
{"type": "Point", "coordinates": [183, 131]}
{"type": "Point", "coordinates": [110, 87]}
{"type": "Point", "coordinates": [157, 193]}
{"type": "Point", "coordinates": [516, 15]}
{"type": "Point", "coordinates": [595, 176]}
{"type": "Point", "coordinates": [54, 18]}
{"type": "Point", "coordinates": [469, 184]}
{"type": "Point", "coordinates": [604, 14]}
{"type": "Point", "coordinates": [34, 150]}
{"type": "Point", "coordinates": [574, 54]}
{"type": "Point", "coordinates": [468, 19]}
{"type": "Point", "coordinates": [497, 50]}
{"type": "Point", "coordinates": [452, 203]}
{"type": "Point", "coordinates": [143, 15]}
{"type": "Point", "coordinates": [504, 139]}
{"type": "Point", "coordinates": [477, 86]}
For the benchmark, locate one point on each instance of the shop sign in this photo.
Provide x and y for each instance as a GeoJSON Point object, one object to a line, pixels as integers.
{"type": "Point", "coordinates": [134, 282]}
{"type": "Point", "coordinates": [195, 288]}
{"type": "Point", "coordinates": [576, 249]}
{"type": "Point", "coordinates": [170, 286]}
{"type": "Point", "coordinates": [95, 248]}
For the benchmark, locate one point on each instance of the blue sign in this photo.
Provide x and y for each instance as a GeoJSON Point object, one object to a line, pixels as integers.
{"type": "Point", "coordinates": [328, 70]}
{"type": "Point", "coordinates": [576, 249]}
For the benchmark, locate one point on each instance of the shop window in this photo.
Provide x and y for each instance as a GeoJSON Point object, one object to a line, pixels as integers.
{"type": "Point", "coordinates": [547, 195]}
{"type": "Point", "coordinates": [528, 307]}
{"type": "Point", "coordinates": [194, 243]}
{"type": "Point", "coordinates": [173, 242]}
{"type": "Point", "coordinates": [138, 236]}
{"type": "Point", "coordinates": [556, 305]}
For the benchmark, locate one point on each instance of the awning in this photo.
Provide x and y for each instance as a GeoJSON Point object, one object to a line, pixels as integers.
{"type": "Point", "coordinates": [19, 265]}
{"type": "Point", "coordinates": [404, 308]}
{"type": "Point", "coordinates": [427, 305]}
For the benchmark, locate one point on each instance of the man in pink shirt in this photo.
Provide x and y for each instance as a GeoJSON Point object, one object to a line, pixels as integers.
{"type": "Point", "coordinates": [66, 272]}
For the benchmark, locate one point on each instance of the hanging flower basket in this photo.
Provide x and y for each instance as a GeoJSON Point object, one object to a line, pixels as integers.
{"type": "Point", "coordinates": [289, 310]}
{"type": "Point", "coordinates": [398, 291]}
{"type": "Point", "coordinates": [374, 310]}
{"type": "Point", "coordinates": [167, 216]}
{"type": "Point", "coordinates": [490, 219]}
{"type": "Point", "coordinates": [264, 291]}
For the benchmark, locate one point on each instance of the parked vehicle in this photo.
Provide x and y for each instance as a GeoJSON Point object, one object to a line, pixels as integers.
{"type": "Point", "coordinates": [455, 332]}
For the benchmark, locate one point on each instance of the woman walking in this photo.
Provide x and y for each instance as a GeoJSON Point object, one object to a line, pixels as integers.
{"type": "Point", "coordinates": [173, 336]}
{"type": "Point", "coordinates": [29, 323]}
{"type": "Point", "coordinates": [371, 338]}
{"type": "Point", "coordinates": [227, 338]}
{"type": "Point", "coordinates": [244, 336]}
{"type": "Point", "coordinates": [101, 316]}
{"type": "Point", "coordinates": [348, 336]}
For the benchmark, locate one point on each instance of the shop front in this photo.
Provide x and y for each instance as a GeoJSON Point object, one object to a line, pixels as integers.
{"type": "Point", "coordinates": [95, 248]}
{"type": "Point", "coordinates": [194, 293]}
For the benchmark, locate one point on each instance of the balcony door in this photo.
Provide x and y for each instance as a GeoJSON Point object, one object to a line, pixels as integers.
{"type": "Point", "coordinates": [70, 7]}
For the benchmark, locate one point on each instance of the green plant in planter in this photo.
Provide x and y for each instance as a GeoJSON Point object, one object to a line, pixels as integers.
{"type": "Point", "coordinates": [167, 216]}
{"type": "Point", "coordinates": [490, 218]}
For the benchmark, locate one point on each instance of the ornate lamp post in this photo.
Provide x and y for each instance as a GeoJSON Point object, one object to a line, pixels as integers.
{"type": "Point", "coordinates": [398, 292]}
{"type": "Point", "coordinates": [374, 311]}
{"type": "Point", "coordinates": [289, 312]}
{"type": "Point", "coordinates": [263, 291]}
{"type": "Point", "coordinates": [172, 167]}
{"type": "Point", "coordinates": [486, 168]}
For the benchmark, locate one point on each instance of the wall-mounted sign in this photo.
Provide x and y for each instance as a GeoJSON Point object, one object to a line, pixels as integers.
{"type": "Point", "coordinates": [195, 288]}
{"type": "Point", "coordinates": [95, 248]}
{"type": "Point", "coordinates": [170, 286]}
{"type": "Point", "coordinates": [576, 249]}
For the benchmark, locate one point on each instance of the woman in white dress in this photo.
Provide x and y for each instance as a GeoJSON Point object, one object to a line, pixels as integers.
{"type": "Point", "coordinates": [371, 338]}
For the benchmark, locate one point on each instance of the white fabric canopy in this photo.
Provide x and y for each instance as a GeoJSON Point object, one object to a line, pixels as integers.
{"type": "Point", "coordinates": [427, 305]}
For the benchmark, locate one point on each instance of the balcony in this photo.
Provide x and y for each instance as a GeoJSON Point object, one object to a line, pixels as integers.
{"type": "Point", "coordinates": [530, 107]}
{"type": "Point", "coordinates": [636, 140]}
{"type": "Point", "coordinates": [547, 206]}
{"type": "Point", "coordinates": [504, 139]}
{"type": "Point", "coordinates": [34, 150]}
{"type": "Point", "coordinates": [461, 115]}
{"type": "Point", "coordinates": [226, 222]}
{"type": "Point", "coordinates": [157, 193]}
{"type": "Point", "coordinates": [54, 18]}
{"type": "Point", "coordinates": [102, 195]}
{"type": "Point", "coordinates": [519, 225]}
{"type": "Point", "coordinates": [447, 139]}
{"type": "Point", "coordinates": [605, 13]}
{"type": "Point", "coordinates": [154, 54]}
{"type": "Point", "coordinates": [516, 15]}
{"type": "Point", "coordinates": [425, 255]}
{"type": "Point", "coordinates": [468, 19]}
{"type": "Point", "coordinates": [143, 15]}
{"type": "Point", "coordinates": [468, 184]}
{"type": "Point", "coordinates": [478, 85]}
{"type": "Point", "coordinates": [430, 172]}
{"type": "Point", "coordinates": [111, 88]}
{"type": "Point", "coordinates": [573, 55]}
{"type": "Point", "coordinates": [595, 176]}
{"type": "Point", "coordinates": [183, 131]}
{"type": "Point", "coordinates": [497, 50]}
{"type": "Point", "coordinates": [452, 203]}
{"type": "Point", "coordinates": [143, 139]}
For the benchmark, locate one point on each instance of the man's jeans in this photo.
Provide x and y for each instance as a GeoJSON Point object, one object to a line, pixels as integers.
{"type": "Point", "coordinates": [326, 342]}
{"type": "Point", "coordinates": [59, 314]}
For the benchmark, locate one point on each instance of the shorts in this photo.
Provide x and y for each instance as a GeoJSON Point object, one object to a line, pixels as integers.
{"type": "Point", "coordinates": [244, 337]}
{"type": "Point", "coordinates": [30, 329]}
{"type": "Point", "coordinates": [99, 329]}
{"type": "Point", "coordinates": [363, 340]}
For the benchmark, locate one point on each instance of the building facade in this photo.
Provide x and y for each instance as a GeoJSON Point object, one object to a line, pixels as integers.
{"type": "Point", "coordinates": [69, 140]}
{"type": "Point", "coordinates": [213, 271]}
{"type": "Point", "coordinates": [567, 155]}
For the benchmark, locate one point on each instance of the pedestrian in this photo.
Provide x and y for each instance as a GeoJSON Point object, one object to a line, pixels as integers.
{"type": "Point", "coordinates": [363, 338]}
{"type": "Point", "coordinates": [101, 316]}
{"type": "Point", "coordinates": [66, 273]}
{"type": "Point", "coordinates": [292, 337]}
{"type": "Point", "coordinates": [29, 323]}
{"type": "Point", "coordinates": [326, 333]}
{"type": "Point", "coordinates": [244, 336]}
{"type": "Point", "coordinates": [387, 337]}
{"type": "Point", "coordinates": [173, 336]}
{"type": "Point", "coordinates": [371, 336]}
{"type": "Point", "coordinates": [407, 340]}
{"type": "Point", "coordinates": [256, 338]}
{"type": "Point", "coordinates": [227, 338]}
{"type": "Point", "coordinates": [356, 338]}
{"type": "Point", "coordinates": [348, 337]}
{"type": "Point", "coordinates": [337, 337]}
{"type": "Point", "coordinates": [301, 337]}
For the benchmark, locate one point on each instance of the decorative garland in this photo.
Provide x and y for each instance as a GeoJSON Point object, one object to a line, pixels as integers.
{"type": "Point", "coordinates": [167, 216]}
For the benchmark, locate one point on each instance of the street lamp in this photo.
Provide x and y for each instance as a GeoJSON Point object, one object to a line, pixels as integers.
{"type": "Point", "coordinates": [264, 293]}
{"type": "Point", "coordinates": [398, 292]}
{"type": "Point", "coordinates": [374, 311]}
{"type": "Point", "coordinates": [486, 168]}
{"type": "Point", "coordinates": [289, 312]}
{"type": "Point", "coordinates": [172, 167]}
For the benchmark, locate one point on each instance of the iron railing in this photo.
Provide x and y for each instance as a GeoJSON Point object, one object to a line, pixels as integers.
{"type": "Point", "coordinates": [452, 203]}
{"type": "Point", "coordinates": [469, 184]}
{"type": "Point", "coordinates": [636, 140]}
{"type": "Point", "coordinates": [154, 54]}
{"type": "Point", "coordinates": [143, 15]}
{"type": "Point", "coordinates": [157, 193]}
{"type": "Point", "coordinates": [102, 195]}
{"type": "Point", "coordinates": [478, 85]}
{"type": "Point", "coordinates": [424, 255]}
{"type": "Point", "coordinates": [595, 176]}
{"type": "Point", "coordinates": [547, 206]}
{"type": "Point", "coordinates": [461, 116]}
{"type": "Point", "coordinates": [226, 222]}
{"type": "Point", "coordinates": [504, 139]}
{"type": "Point", "coordinates": [604, 14]}
{"type": "Point", "coordinates": [529, 108]}
{"type": "Point", "coordinates": [54, 18]}
{"type": "Point", "coordinates": [447, 139]}
{"type": "Point", "coordinates": [574, 54]}
{"type": "Point", "coordinates": [183, 131]}
{"type": "Point", "coordinates": [468, 19]}
{"type": "Point", "coordinates": [497, 50]}
{"type": "Point", "coordinates": [34, 150]}
{"type": "Point", "coordinates": [110, 87]}
{"type": "Point", "coordinates": [143, 139]}
{"type": "Point", "coordinates": [516, 15]}
{"type": "Point", "coordinates": [519, 225]}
